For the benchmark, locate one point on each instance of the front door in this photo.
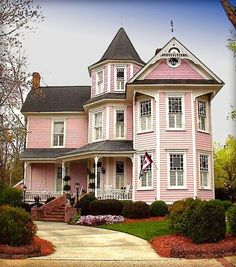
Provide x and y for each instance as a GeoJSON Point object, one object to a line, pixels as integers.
{"type": "Point", "coordinates": [59, 179]}
{"type": "Point", "coordinates": [119, 174]}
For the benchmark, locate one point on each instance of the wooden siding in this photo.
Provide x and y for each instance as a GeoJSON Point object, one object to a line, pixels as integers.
{"type": "Point", "coordinates": [78, 174]}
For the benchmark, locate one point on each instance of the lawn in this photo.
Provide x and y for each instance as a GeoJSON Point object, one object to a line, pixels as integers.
{"type": "Point", "coordinates": [145, 230]}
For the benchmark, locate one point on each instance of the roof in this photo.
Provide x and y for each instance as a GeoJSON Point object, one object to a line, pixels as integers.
{"type": "Point", "coordinates": [45, 153]}
{"type": "Point", "coordinates": [114, 146]}
{"type": "Point", "coordinates": [56, 99]}
{"type": "Point", "coordinates": [174, 81]}
{"type": "Point", "coordinates": [121, 48]}
{"type": "Point", "coordinates": [106, 96]}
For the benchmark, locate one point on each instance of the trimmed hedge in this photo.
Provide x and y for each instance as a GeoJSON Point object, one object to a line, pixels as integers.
{"type": "Point", "coordinates": [84, 202]}
{"type": "Point", "coordinates": [17, 226]}
{"type": "Point", "coordinates": [231, 215]}
{"type": "Point", "coordinates": [158, 208]}
{"type": "Point", "coordinates": [203, 221]}
{"type": "Point", "coordinates": [105, 207]}
{"type": "Point", "coordinates": [136, 210]}
{"type": "Point", "coordinates": [11, 196]}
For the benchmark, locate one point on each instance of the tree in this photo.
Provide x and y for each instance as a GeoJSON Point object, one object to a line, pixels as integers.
{"type": "Point", "coordinates": [225, 164]}
{"type": "Point", "coordinates": [230, 11]}
{"type": "Point", "coordinates": [16, 18]}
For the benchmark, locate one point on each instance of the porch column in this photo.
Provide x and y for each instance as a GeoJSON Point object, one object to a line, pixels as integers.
{"type": "Point", "coordinates": [96, 174]}
{"type": "Point", "coordinates": [133, 177]}
{"type": "Point", "coordinates": [63, 172]}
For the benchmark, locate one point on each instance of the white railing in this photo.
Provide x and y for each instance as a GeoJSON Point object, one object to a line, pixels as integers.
{"type": "Point", "coordinates": [114, 194]}
{"type": "Point", "coordinates": [29, 195]}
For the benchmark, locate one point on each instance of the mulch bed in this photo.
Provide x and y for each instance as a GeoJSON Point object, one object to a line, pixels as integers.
{"type": "Point", "coordinates": [149, 219]}
{"type": "Point", "coordinates": [177, 246]}
{"type": "Point", "coordinates": [39, 247]}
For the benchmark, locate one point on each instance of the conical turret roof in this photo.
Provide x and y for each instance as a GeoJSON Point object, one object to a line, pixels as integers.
{"type": "Point", "coordinates": [121, 48]}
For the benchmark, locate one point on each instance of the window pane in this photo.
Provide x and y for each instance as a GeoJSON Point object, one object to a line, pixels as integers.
{"type": "Point", "coordinates": [172, 178]}
{"type": "Point", "coordinates": [178, 120]}
{"type": "Point", "coordinates": [180, 178]}
{"type": "Point", "coordinates": [176, 162]}
{"type": "Point", "coordinates": [202, 108]}
{"type": "Point", "coordinates": [58, 127]}
{"type": "Point", "coordinates": [204, 162]}
{"type": "Point", "coordinates": [119, 167]}
{"type": "Point", "coordinates": [61, 140]}
{"type": "Point", "coordinates": [171, 120]}
{"type": "Point", "coordinates": [145, 108]}
{"type": "Point", "coordinates": [175, 104]}
{"type": "Point", "coordinates": [120, 73]}
{"type": "Point", "coordinates": [120, 116]}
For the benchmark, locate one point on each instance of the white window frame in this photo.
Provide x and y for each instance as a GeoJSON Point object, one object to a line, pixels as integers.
{"type": "Point", "coordinates": [120, 161]}
{"type": "Point", "coordinates": [115, 113]}
{"type": "Point", "coordinates": [206, 119]}
{"type": "Point", "coordinates": [175, 95]}
{"type": "Point", "coordinates": [52, 132]}
{"type": "Point", "coordinates": [102, 85]}
{"type": "Point", "coordinates": [140, 187]}
{"type": "Point", "coordinates": [139, 115]}
{"type": "Point", "coordinates": [93, 130]}
{"type": "Point", "coordinates": [208, 172]}
{"type": "Point", "coordinates": [115, 77]}
{"type": "Point", "coordinates": [177, 152]}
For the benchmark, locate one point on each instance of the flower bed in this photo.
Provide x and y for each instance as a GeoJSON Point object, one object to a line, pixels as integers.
{"type": "Point", "coordinates": [177, 246]}
{"type": "Point", "coordinates": [91, 220]}
{"type": "Point", "coordinates": [39, 247]}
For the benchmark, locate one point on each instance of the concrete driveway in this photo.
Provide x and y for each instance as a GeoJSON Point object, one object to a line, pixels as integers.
{"type": "Point", "coordinates": [93, 247]}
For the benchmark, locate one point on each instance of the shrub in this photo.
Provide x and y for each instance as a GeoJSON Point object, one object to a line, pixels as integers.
{"type": "Point", "coordinates": [66, 187]}
{"type": "Point", "coordinates": [49, 199]}
{"type": "Point", "coordinates": [104, 207]}
{"type": "Point", "coordinates": [221, 193]}
{"type": "Point", "coordinates": [207, 222]}
{"type": "Point", "coordinates": [11, 196]}
{"type": "Point", "coordinates": [26, 207]}
{"type": "Point", "coordinates": [227, 204]}
{"type": "Point", "coordinates": [17, 227]}
{"type": "Point", "coordinates": [231, 215]}
{"type": "Point", "coordinates": [66, 178]}
{"type": "Point", "coordinates": [84, 203]}
{"type": "Point", "coordinates": [126, 202]}
{"type": "Point", "coordinates": [158, 208]}
{"type": "Point", "coordinates": [75, 219]}
{"type": "Point", "coordinates": [91, 220]}
{"type": "Point", "coordinates": [136, 210]}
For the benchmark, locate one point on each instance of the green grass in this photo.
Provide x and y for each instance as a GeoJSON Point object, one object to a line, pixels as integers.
{"type": "Point", "coordinates": [145, 230]}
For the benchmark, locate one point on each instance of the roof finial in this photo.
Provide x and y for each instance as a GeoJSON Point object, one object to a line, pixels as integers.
{"type": "Point", "coordinates": [172, 25]}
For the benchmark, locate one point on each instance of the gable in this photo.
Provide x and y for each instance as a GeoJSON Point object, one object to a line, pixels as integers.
{"type": "Point", "coordinates": [164, 71]}
{"type": "Point", "coordinates": [175, 61]}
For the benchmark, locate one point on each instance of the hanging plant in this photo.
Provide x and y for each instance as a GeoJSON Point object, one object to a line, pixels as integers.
{"type": "Point", "coordinates": [91, 185]}
{"type": "Point", "coordinates": [66, 178]}
{"type": "Point", "coordinates": [67, 187]}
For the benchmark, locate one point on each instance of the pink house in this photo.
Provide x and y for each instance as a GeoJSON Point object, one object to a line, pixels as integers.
{"type": "Point", "coordinates": [98, 134]}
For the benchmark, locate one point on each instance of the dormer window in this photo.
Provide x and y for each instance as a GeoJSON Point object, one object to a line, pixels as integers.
{"type": "Point", "coordinates": [100, 82]}
{"type": "Point", "coordinates": [120, 77]}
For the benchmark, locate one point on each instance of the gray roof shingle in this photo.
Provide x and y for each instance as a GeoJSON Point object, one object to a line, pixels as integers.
{"type": "Point", "coordinates": [46, 153]}
{"type": "Point", "coordinates": [106, 96]}
{"type": "Point", "coordinates": [56, 99]}
{"type": "Point", "coordinates": [121, 48]}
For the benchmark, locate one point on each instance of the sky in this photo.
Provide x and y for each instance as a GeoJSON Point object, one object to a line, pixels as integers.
{"type": "Point", "coordinates": [75, 34]}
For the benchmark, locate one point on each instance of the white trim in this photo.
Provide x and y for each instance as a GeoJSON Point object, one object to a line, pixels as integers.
{"type": "Point", "coordinates": [194, 147]}
{"type": "Point", "coordinates": [121, 108]}
{"type": "Point", "coordinates": [107, 122]}
{"type": "Point", "coordinates": [131, 71]}
{"type": "Point", "coordinates": [96, 80]}
{"type": "Point", "coordinates": [209, 171]}
{"type": "Point", "coordinates": [140, 187]}
{"type": "Point", "coordinates": [182, 152]}
{"type": "Point", "coordinates": [182, 96]}
{"type": "Point", "coordinates": [125, 77]}
{"type": "Point", "coordinates": [158, 147]}
{"type": "Point", "coordinates": [108, 78]}
{"type": "Point", "coordinates": [53, 120]}
{"type": "Point", "coordinates": [142, 99]}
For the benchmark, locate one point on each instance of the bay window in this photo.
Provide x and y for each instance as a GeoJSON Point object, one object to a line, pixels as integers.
{"type": "Point", "coordinates": [120, 78]}
{"type": "Point", "coordinates": [175, 108]}
{"type": "Point", "coordinates": [146, 177]}
{"type": "Point", "coordinates": [204, 170]}
{"type": "Point", "coordinates": [202, 115]}
{"type": "Point", "coordinates": [145, 115]}
{"type": "Point", "coordinates": [98, 126]}
{"type": "Point", "coordinates": [176, 170]}
{"type": "Point", "coordinates": [120, 124]}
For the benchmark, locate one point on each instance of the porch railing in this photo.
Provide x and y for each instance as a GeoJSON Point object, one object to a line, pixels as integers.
{"type": "Point", "coordinates": [114, 194]}
{"type": "Point", "coordinates": [29, 195]}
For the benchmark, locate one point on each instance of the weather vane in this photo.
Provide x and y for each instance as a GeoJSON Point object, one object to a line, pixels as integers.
{"type": "Point", "coordinates": [172, 25]}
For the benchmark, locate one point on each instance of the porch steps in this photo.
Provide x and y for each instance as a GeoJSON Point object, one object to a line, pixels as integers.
{"type": "Point", "coordinates": [57, 215]}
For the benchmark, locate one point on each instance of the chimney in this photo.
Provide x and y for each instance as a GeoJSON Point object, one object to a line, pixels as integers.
{"type": "Point", "coordinates": [36, 80]}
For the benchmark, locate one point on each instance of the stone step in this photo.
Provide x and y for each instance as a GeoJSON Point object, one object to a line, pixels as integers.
{"type": "Point", "coordinates": [54, 219]}
{"type": "Point", "coordinates": [57, 213]}
{"type": "Point", "coordinates": [51, 216]}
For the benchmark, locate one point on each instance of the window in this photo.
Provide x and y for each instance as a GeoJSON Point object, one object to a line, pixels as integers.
{"type": "Point", "coordinates": [98, 126]}
{"type": "Point", "coordinates": [58, 133]}
{"type": "Point", "coordinates": [145, 115]}
{"type": "Point", "coordinates": [146, 178]}
{"type": "Point", "coordinates": [100, 82]}
{"type": "Point", "coordinates": [176, 170]}
{"type": "Point", "coordinates": [119, 174]}
{"type": "Point", "coordinates": [175, 112]}
{"type": "Point", "coordinates": [202, 115]}
{"type": "Point", "coordinates": [120, 124]}
{"type": "Point", "coordinates": [204, 171]}
{"type": "Point", "coordinates": [120, 78]}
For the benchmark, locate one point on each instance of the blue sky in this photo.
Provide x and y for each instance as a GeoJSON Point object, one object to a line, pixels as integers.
{"type": "Point", "coordinates": [75, 34]}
